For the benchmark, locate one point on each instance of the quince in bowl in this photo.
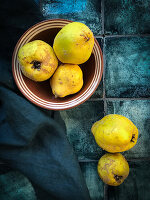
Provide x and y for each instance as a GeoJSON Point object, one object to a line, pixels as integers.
{"type": "Point", "coordinates": [35, 86]}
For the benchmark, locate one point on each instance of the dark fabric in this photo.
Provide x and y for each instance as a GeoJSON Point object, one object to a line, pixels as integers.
{"type": "Point", "coordinates": [30, 140]}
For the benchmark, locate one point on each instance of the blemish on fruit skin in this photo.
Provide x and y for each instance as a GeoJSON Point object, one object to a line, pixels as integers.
{"type": "Point", "coordinates": [36, 65]}
{"type": "Point", "coordinates": [118, 178]}
{"type": "Point", "coordinates": [85, 37]}
{"type": "Point", "coordinates": [47, 59]}
{"type": "Point", "coordinates": [44, 70]}
{"type": "Point", "coordinates": [133, 137]}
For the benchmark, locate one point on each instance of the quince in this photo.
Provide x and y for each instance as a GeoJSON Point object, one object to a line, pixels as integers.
{"type": "Point", "coordinates": [74, 43]}
{"type": "Point", "coordinates": [68, 79]}
{"type": "Point", "coordinates": [38, 61]}
{"type": "Point", "coordinates": [115, 133]}
{"type": "Point", "coordinates": [113, 169]}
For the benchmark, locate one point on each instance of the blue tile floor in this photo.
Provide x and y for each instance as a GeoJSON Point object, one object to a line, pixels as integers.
{"type": "Point", "coordinates": [127, 17]}
{"type": "Point", "coordinates": [122, 29]}
{"type": "Point", "coordinates": [94, 184]}
{"type": "Point", "coordinates": [85, 11]}
{"type": "Point", "coordinates": [127, 66]}
{"type": "Point", "coordinates": [78, 122]}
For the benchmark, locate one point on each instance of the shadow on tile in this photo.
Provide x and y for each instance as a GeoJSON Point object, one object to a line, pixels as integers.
{"type": "Point", "coordinates": [136, 186]}
{"type": "Point", "coordinates": [99, 92]}
{"type": "Point", "coordinates": [138, 111]}
{"type": "Point", "coordinates": [127, 17]}
{"type": "Point", "coordinates": [127, 67]}
{"type": "Point", "coordinates": [78, 122]}
{"type": "Point", "coordinates": [14, 185]}
{"type": "Point", "coordinates": [85, 11]}
{"type": "Point", "coordinates": [94, 183]}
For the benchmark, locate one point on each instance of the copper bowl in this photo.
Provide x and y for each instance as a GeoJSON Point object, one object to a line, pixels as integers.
{"type": "Point", "coordinates": [40, 93]}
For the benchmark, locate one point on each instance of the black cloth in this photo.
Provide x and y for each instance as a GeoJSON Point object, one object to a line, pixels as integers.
{"type": "Point", "coordinates": [31, 141]}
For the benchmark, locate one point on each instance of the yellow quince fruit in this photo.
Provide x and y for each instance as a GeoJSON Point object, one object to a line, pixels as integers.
{"type": "Point", "coordinates": [113, 169]}
{"type": "Point", "coordinates": [68, 79]}
{"type": "Point", "coordinates": [37, 60]}
{"type": "Point", "coordinates": [115, 133]}
{"type": "Point", "coordinates": [74, 43]}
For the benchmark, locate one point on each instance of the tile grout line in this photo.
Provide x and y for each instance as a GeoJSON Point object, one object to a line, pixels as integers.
{"type": "Point", "coordinates": [128, 98]}
{"type": "Point", "coordinates": [105, 192]}
{"type": "Point", "coordinates": [104, 69]}
{"type": "Point", "coordinates": [103, 36]}
{"type": "Point", "coordinates": [102, 15]}
{"type": "Point", "coordinates": [120, 99]}
{"type": "Point", "coordinates": [128, 35]}
{"type": "Point", "coordinates": [105, 187]}
{"type": "Point", "coordinates": [40, 5]}
{"type": "Point", "coordinates": [119, 36]}
{"type": "Point", "coordinates": [104, 88]}
{"type": "Point", "coordinates": [128, 159]}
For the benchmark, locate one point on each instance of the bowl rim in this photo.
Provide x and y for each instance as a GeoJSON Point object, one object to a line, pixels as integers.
{"type": "Point", "coordinates": [24, 93]}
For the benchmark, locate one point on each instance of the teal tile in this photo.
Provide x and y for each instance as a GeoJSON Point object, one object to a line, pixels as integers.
{"type": "Point", "coordinates": [127, 67]}
{"type": "Point", "coordinates": [93, 182]}
{"type": "Point", "coordinates": [14, 186]}
{"type": "Point", "coordinates": [136, 186]}
{"type": "Point", "coordinates": [127, 17]}
{"type": "Point", "coordinates": [101, 42]}
{"type": "Point", "coordinates": [138, 111]}
{"type": "Point", "coordinates": [78, 122]}
{"type": "Point", "coordinates": [99, 91]}
{"type": "Point", "coordinates": [85, 11]}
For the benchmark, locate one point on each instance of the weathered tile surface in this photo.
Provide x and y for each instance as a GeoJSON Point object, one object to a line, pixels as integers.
{"type": "Point", "coordinates": [99, 92]}
{"type": "Point", "coordinates": [78, 122]}
{"type": "Point", "coordinates": [94, 183]}
{"type": "Point", "coordinates": [85, 11]}
{"type": "Point", "coordinates": [14, 186]}
{"type": "Point", "coordinates": [127, 17]}
{"type": "Point", "coordinates": [127, 67]}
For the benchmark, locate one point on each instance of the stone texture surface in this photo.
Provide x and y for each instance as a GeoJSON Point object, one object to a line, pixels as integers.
{"type": "Point", "coordinates": [78, 122]}
{"type": "Point", "coordinates": [85, 11]}
{"type": "Point", "coordinates": [19, 187]}
{"type": "Point", "coordinates": [127, 67]}
{"type": "Point", "coordinates": [127, 17]}
{"type": "Point", "coordinates": [93, 181]}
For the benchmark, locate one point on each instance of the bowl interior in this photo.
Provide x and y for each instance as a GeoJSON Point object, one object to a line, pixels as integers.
{"type": "Point", "coordinates": [43, 89]}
